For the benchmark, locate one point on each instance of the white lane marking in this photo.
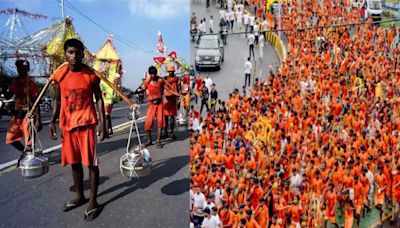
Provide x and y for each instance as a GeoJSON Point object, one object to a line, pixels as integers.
{"type": "Point", "coordinates": [8, 164]}
{"type": "Point", "coordinates": [54, 148]}
{"type": "Point", "coordinates": [115, 109]}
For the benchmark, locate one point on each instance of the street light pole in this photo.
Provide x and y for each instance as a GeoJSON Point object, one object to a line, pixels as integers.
{"type": "Point", "coordinates": [62, 9]}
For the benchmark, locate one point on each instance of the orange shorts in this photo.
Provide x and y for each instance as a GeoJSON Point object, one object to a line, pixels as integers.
{"type": "Point", "coordinates": [18, 129]}
{"type": "Point", "coordinates": [79, 146]}
{"type": "Point", "coordinates": [170, 106]}
{"type": "Point", "coordinates": [358, 208]}
{"type": "Point", "coordinates": [396, 196]}
{"type": "Point", "coordinates": [154, 112]}
{"type": "Point", "coordinates": [379, 198]}
{"type": "Point", "coordinates": [108, 108]}
{"type": "Point", "coordinates": [187, 101]}
{"type": "Point", "coordinates": [329, 217]}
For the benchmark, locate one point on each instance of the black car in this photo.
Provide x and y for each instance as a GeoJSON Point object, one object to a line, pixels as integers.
{"type": "Point", "coordinates": [210, 52]}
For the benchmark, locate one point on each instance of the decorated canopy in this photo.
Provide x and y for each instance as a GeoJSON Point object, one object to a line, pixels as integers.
{"type": "Point", "coordinates": [108, 62]}
{"type": "Point", "coordinates": [163, 60]}
{"type": "Point", "coordinates": [44, 48]}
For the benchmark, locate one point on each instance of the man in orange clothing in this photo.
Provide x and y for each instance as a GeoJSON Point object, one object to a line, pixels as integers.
{"type": "Point", "coordinates": [25, 91]}
{"type": "Point", "coordinates": [358, 198]}
{"type": "Point", "coordinates": [155, 107]}
{"type": "Point", "coordinates": [171, 96]}
{"type": "Point", "coordinates": [250, 221]}
{"type": "Point", "coordinates": [330, 205]}
{"type": "Point", "coordinates": [381, 185]}
{"type": "Point", "coordinates": [295, 213]}
{"type": "Point", "coordinates": [396, 190]}
{"type": "Point", "coordinates": [75, 85]}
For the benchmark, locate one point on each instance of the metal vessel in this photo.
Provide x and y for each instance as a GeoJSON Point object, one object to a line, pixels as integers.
{"type": "Point", "coordinates": [181, 119]}
{"type": "Point", "coordinates": [135, 163]}
{"type": "Point", "coordinates": [34, 164]}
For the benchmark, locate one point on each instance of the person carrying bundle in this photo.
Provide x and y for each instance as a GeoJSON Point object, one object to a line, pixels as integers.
{"type": "Point", "coordinates": [75, 86]}
{"type": "Point", "coordinates": [155, 108]}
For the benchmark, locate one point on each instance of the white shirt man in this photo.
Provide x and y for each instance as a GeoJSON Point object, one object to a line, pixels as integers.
{"type": "Point", "coordinates": [256, 29]}
{"type": "Point", "coordinates": [251, 39]}
{"type": "Point", "coordinates": [237, 7]}
{"type": "Point", "coordinates": [208, 205]}
{"type": "Point", "coordinates": [196, 124]}
{"type": "Point", "coordinates": [226, 16]}
{"type": "Point", "coordinates": [219, 194]}
{"type": "Point", "coordinates": [229, 5]}
{"type": "Point", "coordinates": [252, 20]}
{"type": "Point", "coordinates": [231, 18]}
{"type": "Point", "coordinates": [261, 45]}
{"type": "Point", "coordinates": [241, 7]}
{"type": "Point", "coordinates": [370, 177]}
{"type": "Point", "coordinates": [248, 67]}
{"type": "Point", "coordinates": [211, 25]}
{"type": "Point", "coordinates": [199, 200]}
{"type": "Point", "coordinates": [210, 222]}
{"type": "Point", "coordinates": [221, 13]}
{"type": "Point", "coordinates": [239, 19]}
{"type": "Point", "coordinates": [208, 82]}
{"type": "Point", "coordinates": [295, 181]}
{"type": "Point", "coordinates": [246, 19]}
{"type": "Point", "coordinates": [265, 25]}
{"type": "Point", "coordinates": [214, 213]}
{"type": "Point", "coordinates": [303, 86]}
{"type": "Point", "coordinates": [229, 126]}
{"type": "Point", "coordinates": [204, 26]}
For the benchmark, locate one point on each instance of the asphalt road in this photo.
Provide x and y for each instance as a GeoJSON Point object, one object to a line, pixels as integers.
{"type": "Point", "coordinates": [236, 53]}
{"type": "Point", "coordinates": [158, 200]}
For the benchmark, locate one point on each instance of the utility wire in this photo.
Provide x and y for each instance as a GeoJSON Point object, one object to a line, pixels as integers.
{"type": "Point", "coordinates": [117, 36]}
{"type": "Point", "coordinates": [310, 27]}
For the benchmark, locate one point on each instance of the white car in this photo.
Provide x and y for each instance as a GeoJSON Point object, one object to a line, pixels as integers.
{"type": "Point", "coordinates": [373, 9]}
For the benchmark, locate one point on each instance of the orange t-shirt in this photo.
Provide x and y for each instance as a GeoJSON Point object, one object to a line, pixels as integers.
{"type": "Point", "coordinates": [76, 90]}
{"type": "Point", "coordinates": [25, 90]}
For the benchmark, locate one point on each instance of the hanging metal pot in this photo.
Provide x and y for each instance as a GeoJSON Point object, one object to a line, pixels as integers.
{"type": "Point", "coordinates": [135, 163]}
{"type": "Point", "coordinates": [181, 119]}
{"type": "Point", "coordinates": [34, 164]}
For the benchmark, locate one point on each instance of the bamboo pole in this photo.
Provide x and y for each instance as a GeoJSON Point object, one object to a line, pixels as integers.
{"type": "Point", "coordinates": [115, 88]}
{"type": "Point", "coordinates": [98, 74]}
{"type": "Point", "coordinates": [30, 113]}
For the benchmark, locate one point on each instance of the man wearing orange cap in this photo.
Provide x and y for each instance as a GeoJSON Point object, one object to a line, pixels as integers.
{"type": "Point", "coordinates": [170, 102]}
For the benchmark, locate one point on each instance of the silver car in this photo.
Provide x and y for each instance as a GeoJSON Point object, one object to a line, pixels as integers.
{"type": "Point", "coordinates": [210, 52]}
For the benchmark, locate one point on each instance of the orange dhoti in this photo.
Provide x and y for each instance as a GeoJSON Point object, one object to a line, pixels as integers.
{"type": "Point", "coordinates": [170, 106]}
{"type": "Point", "coordinates": [154, 111]}
{"type": "Point", "coordinates": [329, 215]}
{"type": "Point", "coordinates": [396, 196]}
{"type": "Point", "coordinates": [79, 146]}
{"type": "Point", "coordinates": [18, 129]}
{"type": "Point", "coordinates": [379, 197]}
